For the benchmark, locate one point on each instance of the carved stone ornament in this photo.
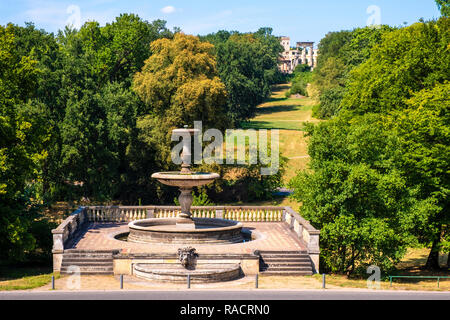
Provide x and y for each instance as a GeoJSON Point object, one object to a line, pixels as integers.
{"type": "Point", "coordinates": [187, 257]}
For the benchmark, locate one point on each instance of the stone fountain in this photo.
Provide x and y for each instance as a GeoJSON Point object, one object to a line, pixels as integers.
{"type": "Point", "coordinates": [184, 229]}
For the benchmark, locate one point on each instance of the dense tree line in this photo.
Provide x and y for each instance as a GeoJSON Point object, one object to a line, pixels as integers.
{"type": "Point", "coordinates": [341, 52]}
{"type": "Point", "coordinates": [87, 114]}
{"type": "Point", "coordinates": [379, 180]}
{"type": "Point", "coordinates": [248, 65]}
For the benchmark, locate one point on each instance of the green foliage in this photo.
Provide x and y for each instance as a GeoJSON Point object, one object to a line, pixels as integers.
{"type": "Point", "coordinates": [200, 200]}
{"type": "Point", "coordinates": [444, 6]}
{"type": "Point", "coordinates": [66, 118]}
{"type": "Point", "coordinates": [340, 52]}
{"type": "Point", "coordinates": [379, 178]}
{"type": "Point", "coordinates": [21, 147]}
{"type": "Point", "coordinates": [243, 183]}
{"type": "Point", "coordinates": [302, 68]}
{"type": "Point", "coordinates": [178, 85]}
{"type": "Point", "coordinates": [356, 197]}
{"type": "Point", "coordinates": [247, 65]}
{"type": "Point", "coordinates": [180, 79]}
{"type": "Point", "coordinates": [424, 131]}
{"type": "Point", "coordinates": [406, 61]}
{"type": "Point", "coordinates": [94, 134]}
{"type": "Point", "coordinates": [302, 76]}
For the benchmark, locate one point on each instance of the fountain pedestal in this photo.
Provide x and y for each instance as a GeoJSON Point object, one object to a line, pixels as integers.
{"type": "Point", "coordinates": [184, 229]}
{"type": "Point", "coordinates": [184, 219]}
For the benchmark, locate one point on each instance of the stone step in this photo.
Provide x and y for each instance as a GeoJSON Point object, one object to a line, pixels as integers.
{"type": "Point", "coordinates": [92, 269]}
{"type": "Point", "coordinates": [280, 264]}
{"type": "Point", "coordinates": [92, 273]}
{"type": "Point", "coordinates": [287, 260]}
{"type": "Point", "coordinates": [87, 256]}
{"type": "Point", "coordinates": [286, 273]}
{"type": "Point", "coordinates": [86, 263]}
{"type": "Point", "coordinates": [288, 269]}
{"type": "Point", "coordinates": [283, 252]}
{"type": "Point", "coordinates": [89, 251]}
{"type": "Point", "coordinates": [264, 257]}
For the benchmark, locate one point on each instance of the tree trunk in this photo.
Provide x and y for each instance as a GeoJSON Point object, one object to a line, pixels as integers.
{"type": "Point", "coordinates": [448, 260]}
{"type": "Point", "coordinates": [433, 258]}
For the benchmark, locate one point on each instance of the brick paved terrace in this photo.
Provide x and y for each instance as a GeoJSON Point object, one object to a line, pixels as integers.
{"type": "Point", "coordinates": [274, 230]}
{"type": "Point", "coordinates": [276, 236]}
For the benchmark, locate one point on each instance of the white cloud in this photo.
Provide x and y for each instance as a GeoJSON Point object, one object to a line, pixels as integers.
{"type": "Point", "coordinates": [168, 9]}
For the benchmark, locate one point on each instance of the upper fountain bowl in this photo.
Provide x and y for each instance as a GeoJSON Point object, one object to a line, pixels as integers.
{"type": "Point", "coordinates": [185, 180]}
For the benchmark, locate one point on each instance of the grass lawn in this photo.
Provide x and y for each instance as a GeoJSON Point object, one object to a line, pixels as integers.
{"type": "Point", "coordinates": [289, 116]}
{"type": "Point", "coordinates": [24, 278]}
{"type": "Point", "coordinates": [410, 265]}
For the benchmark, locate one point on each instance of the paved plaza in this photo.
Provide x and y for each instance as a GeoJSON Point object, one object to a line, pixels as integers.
{"type": "Point", "coordinates": [271, 236]}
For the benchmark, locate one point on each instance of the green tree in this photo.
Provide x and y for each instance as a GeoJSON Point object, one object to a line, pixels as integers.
{"type": "Point", "coordinates": [99, 108]}
{"type": "Point", "coordinates": [179, 82]}
{"type": "Point", "coordinates": [359, 200]}
{"type": "Point", "coordinates": [406, 61]}
{"type": "Point", "coordinates": [247, 64]}
{"type": "Point", "coordinates": [424, 140]}
{"type": "Point", "coordinates": [340, 52]}
{"type": "Point", "coordinates": [21, 147]}
{"type": "Point", "coordinates": [178, 85]}
{"type": "Point", "coordinates": [444, 6]}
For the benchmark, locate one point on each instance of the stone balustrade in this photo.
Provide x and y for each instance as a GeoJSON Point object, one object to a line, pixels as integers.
{"type": "Point", "coordinates": [65, 232]}
{"type": "Point", "coordinates": [117, 214]}
{"type": "Point", "coordinates": [237, 213]}
{"type": "Point", "coordinates": [306, 233]}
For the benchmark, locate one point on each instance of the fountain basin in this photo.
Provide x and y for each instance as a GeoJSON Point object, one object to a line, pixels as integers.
{"type": "Point", "coordinates": [187, 180]}
{"type": "Point", "coordinates": [165, 230]}
{"type": "Point", "coordinates": [203, 273]}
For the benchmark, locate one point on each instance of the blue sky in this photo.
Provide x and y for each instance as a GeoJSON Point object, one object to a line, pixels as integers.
{"type": "Point", "coordinates": [302, 20]}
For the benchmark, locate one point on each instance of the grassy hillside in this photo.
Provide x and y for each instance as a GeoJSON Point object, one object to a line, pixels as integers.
{"type": "Point", "coordinates": [288, 115]}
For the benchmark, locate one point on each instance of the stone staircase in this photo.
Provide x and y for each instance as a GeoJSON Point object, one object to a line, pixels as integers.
{"type": "Point", "coordinates": [285, 263]}
{"type": "Point", "coordinates": [90, 262]}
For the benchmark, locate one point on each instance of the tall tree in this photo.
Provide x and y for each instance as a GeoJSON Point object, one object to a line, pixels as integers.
{"type": "Point", "coordinates": [21, 147]}
{"type": "Point", "coordinates": [178, 84]}
{"type": "Point", "coordinates": [424, 140]}
{"type": "Point", "coordinates": [444, 6]}
{"type": "Point", "coordinates": [247, 65]}
{"type": "Point", "coordinates": [100, 109]}
{"type": "Point", "coordinates": [406, 61]}
{"type": "Point", "coordinates": [340, 52]}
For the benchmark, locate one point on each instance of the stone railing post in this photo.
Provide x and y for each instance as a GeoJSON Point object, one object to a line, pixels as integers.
{"type": "Point", "coordinates": [150, 213]}
{"type": "Point", "coordinates": [219, 213]}
{"type": "Point", "coordinates": [58, 249]}
{"type": "Point", "coordinates": [314, 249]}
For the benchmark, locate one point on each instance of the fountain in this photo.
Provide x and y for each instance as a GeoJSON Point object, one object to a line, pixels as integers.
{"type": "Point", "coordinates": [184, 229]}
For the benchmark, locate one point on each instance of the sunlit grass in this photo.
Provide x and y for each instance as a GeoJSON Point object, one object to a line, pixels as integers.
{"type": "Point", "coordinates": [13, 278]}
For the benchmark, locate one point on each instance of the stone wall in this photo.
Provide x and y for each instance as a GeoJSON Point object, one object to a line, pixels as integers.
{"type": "Point", "coordinates": [303, 54]}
